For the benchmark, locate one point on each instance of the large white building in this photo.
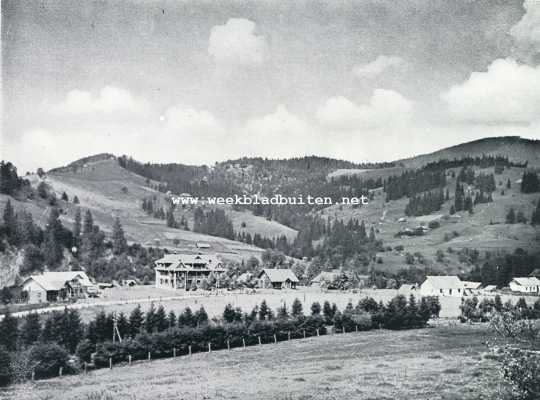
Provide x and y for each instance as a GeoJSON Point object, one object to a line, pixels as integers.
{"type": "Point", "coordinates": [442, 286]}
{"type": "Point", "coordinates": [525, 285]}
{"type": "Point", "coordinates": [180, 271]}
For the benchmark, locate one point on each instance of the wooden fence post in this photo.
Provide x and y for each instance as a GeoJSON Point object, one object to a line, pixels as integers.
{"type": "Point", "coordinates": [209, 347]}
{"type": "Point", "coordinates": [259, 340]}
{"type": "Point", "coordinates": [110, 362]}
{"type": "Point", "coordinates": [129, 359]}
{"type": "Point", "coordinates": [174, 352]}
{"type": "Point", "coordinates": [304, 333]}
{"type": "Point", "coordinates": [317, 331]}
{"type": "Point", "coordinates": [275, 338]}
{"type": "Point", "coordinates": [289, 335]}
{"type": "Point", "coordinates": [85, 368]}
{"type": "Point", "coordinates": [33, 375]}
{"type": "Point", "coordinates": [189, 348]}
{"type": "Point", "coordinates": [60, 370]}
{"type": "Point", "coordinates": [356, 328]}
{"type": "Point", "coordinates": [228, 344]}
{"type": "Point", "coordinates": [149, 356]}
{"type": "Point", "coordinates": [244, 342]}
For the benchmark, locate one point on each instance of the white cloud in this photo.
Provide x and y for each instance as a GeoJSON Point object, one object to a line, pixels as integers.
{"type": "Point", "coordinates": [109, 101]}
{"type": "Point", "coordinates": [381, 64]}
{"type": "Point", "coordinates": [236, 44]}
{"type": "Point", "coordinates": [508, 92]}
{"type": "Point", "coordinates": [279, 134]}
{"type": "Point", "coordinates": [385, 108]}
{"type": "Point", "coordinates": [527, 30]}
{"type": "Point", "coordinates": [187, 122]}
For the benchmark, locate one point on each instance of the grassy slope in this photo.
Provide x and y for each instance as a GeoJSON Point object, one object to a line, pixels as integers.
{"type": "Point", "coordinates": [438, 363]}
{"type": "Point", "coordinates": [474, 231]}
{"type": "Point", "coordinates": [99, 187]}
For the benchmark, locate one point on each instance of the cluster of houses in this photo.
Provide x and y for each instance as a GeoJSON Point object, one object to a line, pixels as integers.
{"type": "Point", "coordinates": [185, 271]}
{"type": "Point", "coordinates": [453, 286]}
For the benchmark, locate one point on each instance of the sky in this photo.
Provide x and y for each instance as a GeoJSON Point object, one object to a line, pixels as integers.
{"type": "Point", "coordinates": [197, 82]}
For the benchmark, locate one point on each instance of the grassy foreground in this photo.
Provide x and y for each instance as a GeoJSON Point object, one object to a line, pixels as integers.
{"type": "Point", "coordinates": [434, 363]}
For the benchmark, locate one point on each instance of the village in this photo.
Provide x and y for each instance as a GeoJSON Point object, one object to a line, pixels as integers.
{"type": "Point", "coordinates": [184, 276]}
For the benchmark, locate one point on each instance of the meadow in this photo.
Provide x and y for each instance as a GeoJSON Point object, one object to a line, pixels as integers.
{"type": "Point", "coordinates": [439, 363]}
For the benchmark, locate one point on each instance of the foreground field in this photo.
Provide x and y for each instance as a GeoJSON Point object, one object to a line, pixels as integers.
{"type": "Point", "coordinates": [434, 363]}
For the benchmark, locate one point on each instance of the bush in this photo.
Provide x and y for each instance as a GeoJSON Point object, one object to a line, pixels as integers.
{"type": "Point", "coordinates": [48, 358]}
{"type": "Point", "coordinates": [85, 349]}
{"type": "Point", "coordinates": [6, 371]}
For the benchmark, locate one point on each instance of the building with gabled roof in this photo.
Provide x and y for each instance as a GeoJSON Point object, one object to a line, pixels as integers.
{"type": "Point", "coordinates": [442, 286]}
{"type": "Point", "coordinates": [472, 287]}
{"type": "Point", "coordinates": [182, 271]}
{"type": "Point", "coordinates": [277, 278]}
{"type": "Point", "coordinates": [56, 285]}
{"type": "Point", "coordinates": [525, 285]}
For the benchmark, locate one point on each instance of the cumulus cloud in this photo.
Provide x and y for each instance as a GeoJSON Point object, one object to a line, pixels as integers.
{"type": "Point", "coordinates": [527, 31]}
{"type": "Point", "coordinates": [278, 134]}
{"type": "Point", "coordinates": [236, 44]}
{"type": "Point", "coordinates": [188, 122]}
{"type": "Point", "coordinates": [385, 108]}
{"type": "Point", "coordinates": [381, 64]}
{"type": "Point", "coordinates": [508, 92]}
{"type": "Point", "coordinates": [109, 101]}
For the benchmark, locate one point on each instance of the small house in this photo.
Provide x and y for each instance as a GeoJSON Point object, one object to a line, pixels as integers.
{"type": "Point", "coordinates": [407, 288]}
{"type": "Point", "coordinates": [472, 287]}
{"type": "Point", "coordinates": [277, 279]}
{"type": "Point", "coordinates": [525, 285]}
{"type": "Point", "coordinates": [58, 285]}
{"type": "Point", "coordinates": [442, 286]}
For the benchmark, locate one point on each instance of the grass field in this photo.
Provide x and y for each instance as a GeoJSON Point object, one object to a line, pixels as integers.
{"type": "Point", "coordinates": [441, 363]}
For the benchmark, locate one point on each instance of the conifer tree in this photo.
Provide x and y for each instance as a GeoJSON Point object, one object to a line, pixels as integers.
{"type": "Point", "coordinates": [316, 308]}
{"type": "Point", "coordinates": [135, 321]}
{"type": "Point", "coordinates": [118, 238]}
{"type": "Point", "coordinates": [150, 319]}
{"type": "Point", "coordinates": [160, 320]}
{"type": "Point", "coordinates": [171, 319]}
{"type": "Point", "coordinates": [52, 246]}
{"type": "Point", "coordinates": [296, 308]}
{"type": "Point", "coordinates": [9, 331]}
{"type": "Point", "coordinates": [201, 317]}
{"type": "Point", "coordinates": [31, 329]}
{"type": "Point", "coordinates": [77, 227]}
{"type": "Point", "coordinates": [535, 218]}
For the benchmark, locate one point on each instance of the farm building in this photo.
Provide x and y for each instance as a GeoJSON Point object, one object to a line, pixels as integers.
{"type": "Point", "coordinates": [489, 289]}
{"type": "Point", "coordinates": [442, 286]}
{"type": "Point", "coordinates": [277, 279]}
{"type": "Point", "coordinates": [54, 286]}
{"type": "Point", "coordinates": [326, 277]}
{"type": "Point", "coordinates": [525, 285]}
{"type": "Point", "coordinates": [472, 287]}
{"type": "Point", "coordinates": [177, 271]}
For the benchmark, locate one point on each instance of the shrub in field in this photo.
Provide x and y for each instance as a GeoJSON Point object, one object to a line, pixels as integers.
{"type": "Point", "coordinates": [519, 354]}
{"type": "Point", "coordinates": [85, 349]}
{"type": "Point", "coordinates": [47, 359]}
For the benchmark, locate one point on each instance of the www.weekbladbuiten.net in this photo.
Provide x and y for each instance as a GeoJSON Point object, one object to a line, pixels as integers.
{"type": "Point", "coordinates": [276, 199]}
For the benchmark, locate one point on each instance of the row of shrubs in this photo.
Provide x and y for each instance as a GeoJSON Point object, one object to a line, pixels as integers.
{"type": "Point", "coordinates": [41, 349]}
{"type": "Point", "coordinates": [473, 310]}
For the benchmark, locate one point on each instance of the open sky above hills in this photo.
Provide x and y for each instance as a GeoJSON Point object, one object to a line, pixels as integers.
{"type": "Point", "coordinates": [201, 81]}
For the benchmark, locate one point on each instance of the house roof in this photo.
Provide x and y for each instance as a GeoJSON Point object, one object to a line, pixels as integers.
{"type": "Point", "coordinates": [326, 276]}
{"type": "Point", "coordinates": [279, 275]}
{"type": "Point", "coordinates": [489, 288]}
{"type": "Point", "coordinates": [184, 260]}
{"type": "Point", "coordinates": [56, 280]}
{"type": "Point", "coordinates": [445, 282]}
{"type": "Point", "coordinates": [472, 285]}
{"type": "Point", "coordinates": [532, 281]}
{"type": "Point", "coordinates": [407, 286]}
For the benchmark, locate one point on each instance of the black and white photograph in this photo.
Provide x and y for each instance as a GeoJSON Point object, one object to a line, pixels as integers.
{"type": "Point", "coordinates": [270, 200]}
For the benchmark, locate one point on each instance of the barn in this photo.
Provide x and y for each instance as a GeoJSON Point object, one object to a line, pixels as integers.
{"type": "Point", "coordinates": [525, 285]}
{"type": "Point", "coordinates": [277, 279]}
{"type": "Point", "coordinates": [57, 285]}
{"type": "Point", "coordinates": [442, 286]}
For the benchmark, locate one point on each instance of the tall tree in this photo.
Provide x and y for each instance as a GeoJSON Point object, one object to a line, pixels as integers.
{"type": "Point", "coordinates": [9, 331]}
{"type": "Point", "coordinates": [296, 308]}
{"type": "Point", "coordinates": [118, 238]}
{"type": "Point", "coordinates": [52, 243]}
{"type": "Point", "coordinates": [77, 225]}
{"type": "Point", "coordinates": [135, 321]}
{"type": "Point", "coordinates": [31, 329]}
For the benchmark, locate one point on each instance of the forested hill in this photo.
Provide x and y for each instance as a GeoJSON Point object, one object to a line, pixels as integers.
{"type": "Point", "coordinates": [514, 148]}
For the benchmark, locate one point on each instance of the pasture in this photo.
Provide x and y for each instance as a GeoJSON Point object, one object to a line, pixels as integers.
{"type": "Point", "coordinates": [440, 363]}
